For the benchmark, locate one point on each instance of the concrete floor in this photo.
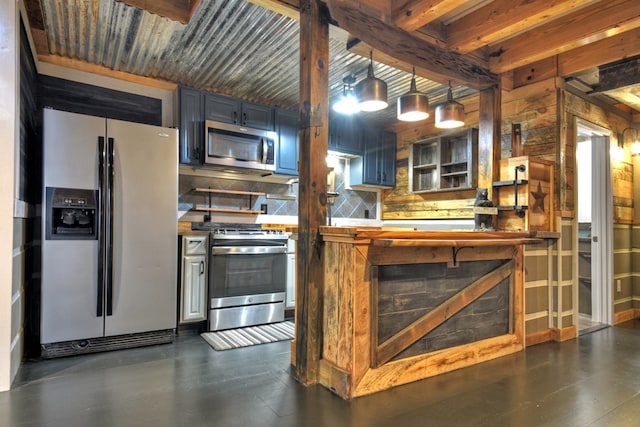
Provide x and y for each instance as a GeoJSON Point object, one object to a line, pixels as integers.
{"type": "Point", "coordinates": [591, 381]}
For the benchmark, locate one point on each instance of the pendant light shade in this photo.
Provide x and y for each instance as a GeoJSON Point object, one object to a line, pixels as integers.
{"type": "Point", "coordinates": [371, 92]}
{"type": "Point", "coordinates": [450, 114]}
{"type": "Point", "coordinates": [413, 105]}
{"type": "Point", "coordinates": [347, 103]}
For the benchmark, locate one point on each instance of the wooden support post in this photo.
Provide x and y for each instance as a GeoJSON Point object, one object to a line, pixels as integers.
{"type": "Point", "coordinates": [312, 190]}
{"type": "Point", "coordinates": [489, 138]}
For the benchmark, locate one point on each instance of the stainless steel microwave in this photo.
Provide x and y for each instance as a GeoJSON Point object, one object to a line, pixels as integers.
{"type": "Point", "coordinates": [234, 146]}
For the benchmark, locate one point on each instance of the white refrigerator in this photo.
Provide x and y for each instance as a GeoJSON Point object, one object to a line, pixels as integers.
{"type": "Point", "coordinates": [109, 234]}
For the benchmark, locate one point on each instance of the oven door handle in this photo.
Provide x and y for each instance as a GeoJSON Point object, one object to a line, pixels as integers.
{"type": "Point", "coordinates": [247, 250]}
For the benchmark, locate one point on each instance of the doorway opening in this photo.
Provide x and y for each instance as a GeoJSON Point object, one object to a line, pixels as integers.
{"type": "Point", "coordinates": [595, 228]}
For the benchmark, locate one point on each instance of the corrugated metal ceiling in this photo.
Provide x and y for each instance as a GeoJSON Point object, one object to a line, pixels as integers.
{"type": "Point", "coordinates": [230, 47]}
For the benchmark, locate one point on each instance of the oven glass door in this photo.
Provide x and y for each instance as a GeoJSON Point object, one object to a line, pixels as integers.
{"type": "Point", "coordinates": [247, 270]}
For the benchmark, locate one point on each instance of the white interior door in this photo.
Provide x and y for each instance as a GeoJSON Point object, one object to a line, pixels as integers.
{"type": "Point", "coordinates": [595, 220]}
{"type": "Point", "coordinates": [602, 232]}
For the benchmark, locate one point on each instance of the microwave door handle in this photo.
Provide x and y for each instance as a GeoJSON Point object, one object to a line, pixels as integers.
{"type": "Point", "coordinates": [265, 150]}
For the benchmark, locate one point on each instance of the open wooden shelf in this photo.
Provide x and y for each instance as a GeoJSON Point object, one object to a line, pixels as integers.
{"type": "Point", "coordinates": [224, 210]}
{"type": "Point", "coordinates": [239, 210]}
{"type": "Point", "coordinates": [239, 193]}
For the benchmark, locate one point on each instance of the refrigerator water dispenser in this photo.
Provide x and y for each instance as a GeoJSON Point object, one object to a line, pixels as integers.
{"type": "Point", "coordinates": [72, 214]}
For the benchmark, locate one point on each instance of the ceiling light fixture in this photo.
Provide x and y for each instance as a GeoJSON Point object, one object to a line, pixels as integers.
{"type": "Point", "coordinates": [347, 103]}
{"type": "Point", "coordinates": [371, 92]}
{"type": "Point", "coordinates": [413, 105]}
{"type": "Point", "coordinates": [450, 114]}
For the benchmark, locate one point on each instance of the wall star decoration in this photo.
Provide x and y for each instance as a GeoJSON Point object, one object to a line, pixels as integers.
{"type": "Point", "coordinates": [539, 195]}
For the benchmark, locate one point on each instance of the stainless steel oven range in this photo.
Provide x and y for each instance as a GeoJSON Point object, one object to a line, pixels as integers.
{"type": "Point", "coordinates": [247, 276]}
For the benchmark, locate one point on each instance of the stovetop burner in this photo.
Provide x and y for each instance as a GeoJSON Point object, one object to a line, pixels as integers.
{"type": "Point", "coordinates": [235, 229]}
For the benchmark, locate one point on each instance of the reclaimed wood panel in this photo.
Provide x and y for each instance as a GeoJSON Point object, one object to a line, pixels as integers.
{"type": "Point", "coordinates": [312, 188]}
{"type": "Point", "coordinates": [622, 171]}
{"type": "Point", "coordinates": [537, 195]}
{"type": "Point", "coordinates": [434, 318]}
{"type": "Point", "coordinates": [534, 108]}
{"type": "Point", "coordinates": [358, 280]}
{"type": "Point", "coordinates": [404, 371]}
{"type": "Point", "coordinates": [331, 303]}
{"type": "Point", "coordinates": [399, 203]}
{"type": "Point", "coordinates": [346, 306]}
{"type": "Point", "coordinates": [362, 320]}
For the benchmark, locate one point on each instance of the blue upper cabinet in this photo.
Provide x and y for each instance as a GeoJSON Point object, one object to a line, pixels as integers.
{"type": "Point", "coordinates": [221, 108]}
{"type": "Point", "coordinates": [257, 116]}
{"type": "Point", "coordinates": [191, 126]}
{"type": "Point", "coordinates": [287, 147]}
{"type": "Point", "coordinates": [377, 165]}
{"type": "Point", "coordinates": [234, 111]}
{"type": "Point", "coordinates": [345, 134]}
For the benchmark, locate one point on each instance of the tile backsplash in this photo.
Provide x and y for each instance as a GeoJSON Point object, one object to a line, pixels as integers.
{"type": "Point", "coordinates": [280, 198]}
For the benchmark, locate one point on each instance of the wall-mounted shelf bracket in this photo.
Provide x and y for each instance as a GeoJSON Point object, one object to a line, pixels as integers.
{"type": "Point", "coordinates": [520, 210]}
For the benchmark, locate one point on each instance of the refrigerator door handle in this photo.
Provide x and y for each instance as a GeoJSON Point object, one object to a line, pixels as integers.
{"type": "Point", "coordinates": [101, 227]}
{"type": "Point", "coordinates": [109, 240]}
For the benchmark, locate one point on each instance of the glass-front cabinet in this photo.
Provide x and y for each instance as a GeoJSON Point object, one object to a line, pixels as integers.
{"type": "Point", "coordinates": [447, 162]}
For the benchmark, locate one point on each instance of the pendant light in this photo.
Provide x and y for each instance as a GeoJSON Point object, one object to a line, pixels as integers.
{"type": "Point", "coordinates": [450, 114]}
{"type": "Point", "coordinates": [413, 105]}
{"type": "Point", "coordinates": [347, 103]}
{"type": "Point", "coordinates": [371, 92]}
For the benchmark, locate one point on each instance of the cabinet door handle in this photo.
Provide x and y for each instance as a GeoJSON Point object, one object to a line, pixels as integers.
{"type": "Point", "coordinates": [194, 133]}
{"type": "Point", "coordinates": [384, 177]}
{"type": "Point", "coordinates": [244, 119]}
{"type": "Point", "coordinates": [235, 118]}
{"type": "Point", "coordinates": [201, 267]}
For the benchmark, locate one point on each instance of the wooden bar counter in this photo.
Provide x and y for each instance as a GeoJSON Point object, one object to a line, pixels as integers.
{"type": "Point", "coordinates": [399, 305]}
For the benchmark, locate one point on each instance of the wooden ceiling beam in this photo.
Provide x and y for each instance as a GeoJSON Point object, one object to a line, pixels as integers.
{"type": "Point", "coordinates": [502, 18]}
{"type": "Point", "coordinates": [605, 51]}
{"type": "Point", "coordinates": [588, 25]}
{"type": "Point", "coordinates": [439, 64]}
{"type": "Point", "coordinates": [36, 24]}
{"type": "Point", "coordinates": [620, 46]}
{"type": "Point", "coordinates": [413, 14]}
{"type": "Point", "coordinates": [107, 72]}
{"type": "Point", "coordinates": [288, 8]}
{"type": "Point", "coordinates": [176, 10]}
{"type": "Point", "coordinates": [619, 75]}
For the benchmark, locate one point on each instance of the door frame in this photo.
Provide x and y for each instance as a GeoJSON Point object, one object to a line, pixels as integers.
{"type": "Point", "coordinates": [602, 225]}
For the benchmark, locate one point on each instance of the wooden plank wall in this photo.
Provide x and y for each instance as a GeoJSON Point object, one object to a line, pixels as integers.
{"type": "Point", "coordinates": [537, 286]}
{"type": "Point", "coordinates": [546, 113]}
{"type": "Point", "coordinates": [622, 269]}
{"type": "Point", "coordinates": [399, 203]}
{"type": "Point", "coordinates": [623, 194]}
{"type": "Point", "coordinates": [622, 171]}
{"type": "Point", "coordinates": [27, 225]}
{"type": "Point", "coordinates": [81, 98]}
{"type": "Point", "coordinates": [564, 275]}
{"type": "Point", "coordinates": [635, 261]}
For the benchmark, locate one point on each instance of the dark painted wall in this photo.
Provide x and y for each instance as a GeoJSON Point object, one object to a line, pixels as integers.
{"type": "Point", "coordinates": [75, 97]}
{"type": "Point", "coordinates": [29, 190]}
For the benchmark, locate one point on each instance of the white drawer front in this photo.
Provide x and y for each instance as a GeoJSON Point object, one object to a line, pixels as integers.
{"type": "Point", "coordinates": [195, 245]}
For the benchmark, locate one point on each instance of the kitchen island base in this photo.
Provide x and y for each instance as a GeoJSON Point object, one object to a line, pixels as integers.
{"type": "Point", "coordinates": [400, 306]}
